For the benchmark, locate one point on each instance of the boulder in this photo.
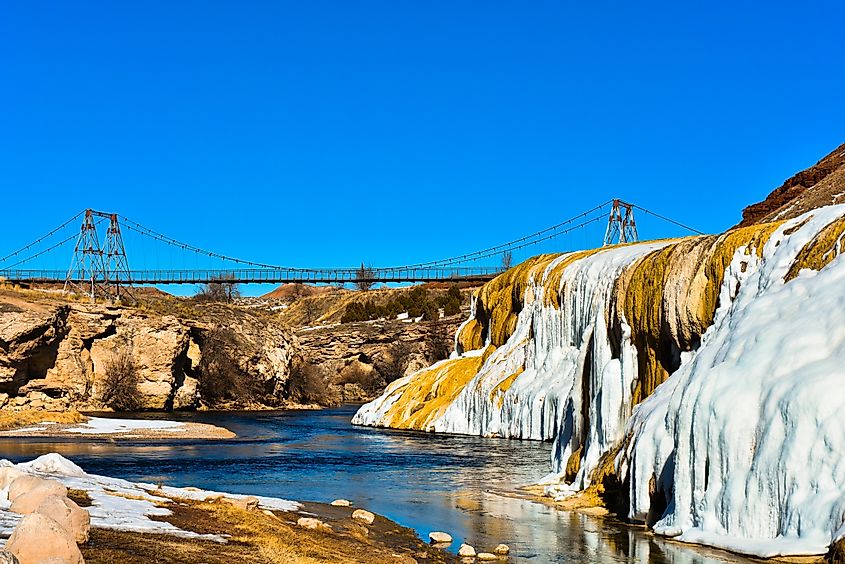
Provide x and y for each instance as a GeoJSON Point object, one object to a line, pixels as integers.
{"type": "Point", "coordinates": [67, 514]}
{"type": "Point", "coordinates": [312, 524]}
{"type": "Point", "coordinates": [341, 503]}
{"type": "Point", "coordinates": [8, 474]}
{"type": "Point", "coordinates": [22, 484]}
{"type": "Point", "coordinates": [363, 516]}
{"type": "Point", "coordinates": [487, 556]}
{"type": "Point", "coordinates": [466, 551]}
{"type": "Point", "coordinates": [38, 538]}
{"type": "Point", "coordinates": [29, 501]}
{"type": "Point", "coordinates": [437, 537]}
{"type": "Point", "coordinates": [502, 550]}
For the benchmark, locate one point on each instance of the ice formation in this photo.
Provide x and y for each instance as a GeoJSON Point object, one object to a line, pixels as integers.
{"type": "Point", "coordinates": [119, 504]}
{"type": "Point", "coordinates": [701, 372]}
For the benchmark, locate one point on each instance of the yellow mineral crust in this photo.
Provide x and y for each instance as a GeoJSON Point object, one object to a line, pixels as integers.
{"type": "Point", "coordinates": [816, 254]}
{"type": "Point", "coordinates": [499, 301]}
{"type": "Point", "coordinates": [498, 392]}
{"type": "Point", "coordinates": [470, 338]}
{"type": "Point", "coordinates": [424, 398]}
{"type": "Point", "coordinates": [669, 297]}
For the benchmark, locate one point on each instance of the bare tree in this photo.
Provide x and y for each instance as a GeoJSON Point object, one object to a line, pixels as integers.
{"type": "Point", "coordinates": [120, 386]}
{"type": "Point", "coordinates": [221, 289]}
{"type": "Point", "coordinates": [507, 260]}
{"type": "Point", "coordinates": [310, 309]}
{"type": "Point", "coordinates": [364, 278]}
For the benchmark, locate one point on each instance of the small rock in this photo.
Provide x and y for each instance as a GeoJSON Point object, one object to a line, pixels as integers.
{"type": "Point", "coordinates": [341, 503]}
{"type": "Point", "coordinates": [29, 501]}
{"type": "Point", "coordinates": [268, 513]}
{"type": "Point", "coordinates": [66, 513]}
{"type": "Point", "coordinates": [487, 556]}
{"type": "Point", "coordinates": [310, 523]}
{"type": "Point", "coordinates": [437, 537]}
{"type": "Point", "coordinates": [249, 503]}
{"type": "Point", "coordinates": [37, 538]}
{"type": "Point", "coordinates": [363, 516]}
{"type": "Point", "coordinates": [466, 551]}
{"type": "Point", "coordinates": [213, 497]}
{"type": "Point", "coordinates": [502, 550]}
{"type": "Point", "coordinates": [7, 557]}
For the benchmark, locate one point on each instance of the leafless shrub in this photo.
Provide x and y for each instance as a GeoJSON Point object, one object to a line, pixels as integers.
{"type": "Point", "coordinates": [440, 344]}
{"type": "Point", "coordinates": [220, 289]}
{"type": "Point", "coordinates": [120, 387]}
{"type": "Point", "coordinates": [394, 362]}
{"type": "Point", "coordinates": [307, 384]}
{"type": "Point", "coordinates": [221, 378]}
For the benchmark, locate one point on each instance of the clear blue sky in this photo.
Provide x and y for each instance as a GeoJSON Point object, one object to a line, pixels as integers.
{"type": "Point", "coordinates": [325, 133]}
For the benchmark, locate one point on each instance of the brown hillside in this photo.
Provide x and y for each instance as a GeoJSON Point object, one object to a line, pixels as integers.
{"type": "Point", "coordinates": [820, 185]}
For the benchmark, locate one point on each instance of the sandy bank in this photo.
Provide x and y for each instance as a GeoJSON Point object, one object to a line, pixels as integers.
{"type": "Point", "coordinates": [118, 429]}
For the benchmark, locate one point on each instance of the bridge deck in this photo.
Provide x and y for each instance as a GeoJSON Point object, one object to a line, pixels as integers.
{"type": "Point", "coordinates": [267, 276]}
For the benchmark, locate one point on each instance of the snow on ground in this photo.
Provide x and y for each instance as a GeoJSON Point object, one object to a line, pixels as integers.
{"type": "Point", "coordinates": [106, 426]}
{"type": "Point", "coordinates": [120, 504]}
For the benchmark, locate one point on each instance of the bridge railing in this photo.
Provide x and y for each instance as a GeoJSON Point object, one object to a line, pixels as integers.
{"type": "Point", "coordinates": [269, 276]}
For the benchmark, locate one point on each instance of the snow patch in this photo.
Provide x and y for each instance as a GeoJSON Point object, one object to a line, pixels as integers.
{"type": "Point", "coordinates": [120, 504]}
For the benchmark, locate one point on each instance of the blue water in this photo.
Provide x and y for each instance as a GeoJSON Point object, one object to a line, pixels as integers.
{"type": "Point", "coordinates": [428, 482]}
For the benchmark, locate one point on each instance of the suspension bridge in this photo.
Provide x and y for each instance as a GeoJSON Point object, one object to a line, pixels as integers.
{"type": "Point", "coordinates": [94, 243]}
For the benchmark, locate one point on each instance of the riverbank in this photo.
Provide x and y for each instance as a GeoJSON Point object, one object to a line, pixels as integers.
{"type": "Point", "coordinates": [422, 481]}
{"type": "Point", "coordinates": [134, 522]}
{"type": "Point", "coordinates": [72, 424]}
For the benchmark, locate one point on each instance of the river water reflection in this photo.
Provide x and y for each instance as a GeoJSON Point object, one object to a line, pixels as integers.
{"type": "Point", "coordinates": [427, 482]}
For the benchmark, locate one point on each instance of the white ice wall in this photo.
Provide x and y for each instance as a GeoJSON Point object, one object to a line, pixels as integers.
{"type": "Point", "coordinates": [747, 438]}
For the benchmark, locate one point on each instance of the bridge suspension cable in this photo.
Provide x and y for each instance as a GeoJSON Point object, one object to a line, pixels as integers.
{"type": "Point", "coordinates": [138, 228]}
{"type": "Point", "coordinates": [516, 243]}
{"type": "Point", "coordinates": [670, 220]}
{"type": "Point", "coordinates": [453, 268]}
{"type": "Point", "coordinates": [40, 239]}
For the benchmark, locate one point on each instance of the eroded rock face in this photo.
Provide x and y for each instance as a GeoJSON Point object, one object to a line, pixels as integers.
{"type": "Point", "coordinates": [360, 359]}
{"type": "Point", "coordinates": [57, 356]}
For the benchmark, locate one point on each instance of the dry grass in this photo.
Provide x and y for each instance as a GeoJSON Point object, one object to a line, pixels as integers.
{"type": "Point", "coordinates": [256, 537]}
{"type": "Point", "coordinates": [16, 419]}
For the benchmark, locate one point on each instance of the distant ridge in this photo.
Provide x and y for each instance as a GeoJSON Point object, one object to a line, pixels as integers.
{"type": "Point", "coordinates": [820, 185]}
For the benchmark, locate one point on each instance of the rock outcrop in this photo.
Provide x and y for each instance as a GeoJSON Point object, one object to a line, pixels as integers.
{"type": "Point", "coordinates": [822, 184]}
{"type": "Point", "coordinates": [360, 359]}
{"type": "Point", "coordinates": [57, 355]}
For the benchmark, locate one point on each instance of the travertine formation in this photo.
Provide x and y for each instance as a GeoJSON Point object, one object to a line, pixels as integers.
{"type": "Point", "coordinates": [605, 353]}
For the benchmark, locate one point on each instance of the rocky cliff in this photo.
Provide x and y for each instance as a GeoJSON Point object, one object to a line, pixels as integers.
{"type": "Point", "coordinates": [686, 382]}
{"type": "Point", "coordinates": [360, 359]}
{"type": "Point", "coordinates": [822, 184]}
{"type": "Point", "coordinates": [56, 355]}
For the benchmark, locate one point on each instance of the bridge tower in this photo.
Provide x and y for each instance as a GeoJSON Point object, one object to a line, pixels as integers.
{"type": "Point", "coordinates": [621, 226]}
{"type": "Point", "coordinates": [99, 269]}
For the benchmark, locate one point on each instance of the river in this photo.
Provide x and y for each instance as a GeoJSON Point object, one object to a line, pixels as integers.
{"type": "Point", "coordinates": [449, 483]}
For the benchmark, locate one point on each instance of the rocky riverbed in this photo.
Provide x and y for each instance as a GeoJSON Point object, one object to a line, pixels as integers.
{"type": "Point", "coordinates": [52, 508]}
